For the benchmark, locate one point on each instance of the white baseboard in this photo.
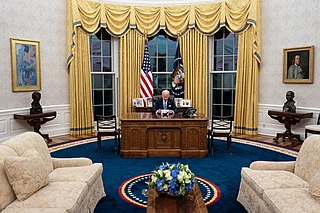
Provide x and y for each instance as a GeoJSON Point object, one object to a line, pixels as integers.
{"type": "Point", "coordinates": [10, 127]}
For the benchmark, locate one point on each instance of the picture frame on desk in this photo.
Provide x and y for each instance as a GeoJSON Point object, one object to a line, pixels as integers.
{"type": "Point", "coordinates": [185, 103]}
{"type": "Point", "coordinates": [149, 102]}
{"type": "Point", "coordinates": [25, 64]}
{"type": "Point", "coordinates": [177, 101]}
{"type": "Point", "coordinates": [139, 102]}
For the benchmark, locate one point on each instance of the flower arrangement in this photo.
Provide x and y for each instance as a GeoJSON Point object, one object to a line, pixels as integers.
{"type": "Point", "coordinates": [173, 179]}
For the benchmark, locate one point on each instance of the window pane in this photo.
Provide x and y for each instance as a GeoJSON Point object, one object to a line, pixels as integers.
{"type": "Point", "coordinates": [218, 47]}
{"type": "Point", "coordinates": [98, 110]}
{"type": "Point", "coordinates": [227, 80]}
{"type": "Point", "coordinates": [234, 80]}
{"type": "Point", "coordinates": [108, 110]}
{"type": "Point", "coordinates": [97, 81]}
{"type": "Point", "coordinates": [96, 48]}
{"type": "Point", "coordinates": [108, 97]}
{"type": "Point", "coordinates": [97, 97]}
{"type": "Point", "coordinates": [162, 81]}
{"type": "Point", "coordinates": [162, 45]}
{"type": "Point", "coordinates": [155, 80]}
{"type": "Point", "coordinates": [152, 47]}
{"type": "Point", "coordinates": [217, 80]}
{"type": "Point", "coordinates": [106, 47]}
{"type": "Point", "coordinates": [227, 96]}
{"type": "Point", "coordinates": [216, 110]}
{"type": "Point", "coordinates": [228, 63]}
{"type": "Point", "coordinates": [170, 64]}
{"type": "Point", "coordinates": [228, 47]}
{"type": "Point", "coordinates": [106, 64]}
{"type": "Point", "coordinates": [235, 44]}
{"type": "Point", "coordinates": [108, 81]}
{"type": "Point", "coordinates": [218, 63]}
{"type": "Point", "coordinates": [227, 110]}
{"type": "Point", "coordinates": [235, 62]}
{"type": "Point", "coordinates": [216, 96]}
{"type": "Point", "coordinates": [162, 65]}
{"type": "Point", "coordinates": [153, 64]}
{"type": "Point", "coordinates": [96, 64]}
{"type": "Point", "coordinates": [171, 48]}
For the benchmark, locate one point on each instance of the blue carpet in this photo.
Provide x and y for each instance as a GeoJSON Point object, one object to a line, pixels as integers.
{"type": "Point", "coordinates": [221, 168]}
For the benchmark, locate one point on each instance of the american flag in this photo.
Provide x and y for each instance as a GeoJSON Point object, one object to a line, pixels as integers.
{"type": "Point", "coordinates": [146, 82]}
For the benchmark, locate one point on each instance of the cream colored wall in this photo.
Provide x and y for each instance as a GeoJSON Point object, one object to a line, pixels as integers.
{"type": "Point", "coordinates": [44, 21]}
{"type": "Point", "coordinates": [287, 24]}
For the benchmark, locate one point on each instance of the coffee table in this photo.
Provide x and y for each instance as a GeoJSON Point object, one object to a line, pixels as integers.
{"type": "Point", "coordinates": [191, 203]}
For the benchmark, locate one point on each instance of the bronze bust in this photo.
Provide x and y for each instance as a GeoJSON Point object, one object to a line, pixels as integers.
{"type": "Point", "coordinates": [289, 104]}
{"type": "Point", "coordinates": [36, 108]}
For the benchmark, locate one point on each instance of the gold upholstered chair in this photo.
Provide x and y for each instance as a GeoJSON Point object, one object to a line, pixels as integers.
{"type": "Point", "coordinates": [313, 129]}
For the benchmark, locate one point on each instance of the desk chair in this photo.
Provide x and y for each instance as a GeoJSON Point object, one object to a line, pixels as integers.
{"type": "Point", "coordinates": [107, 126]}
{"type": "Point", "coordinates": [313, 129]}
{"type": "Point", "coordinates": [220, 127]}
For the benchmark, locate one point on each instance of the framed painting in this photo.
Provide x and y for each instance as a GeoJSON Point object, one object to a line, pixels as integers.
{"type": "Point", "coordinates": [298, 65]}
{"type": "Point", "coordinates": [25, 64]}
{"type": "Point", "coordinates": [139, 102]}
{"type": "Point", "coordinates": [149, 102]}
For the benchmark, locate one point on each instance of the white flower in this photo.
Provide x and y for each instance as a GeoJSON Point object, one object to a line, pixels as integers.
{"type": "Point", "coordinates": [160, 173]}
{"type": "Point", "coordinates": [154, 178]}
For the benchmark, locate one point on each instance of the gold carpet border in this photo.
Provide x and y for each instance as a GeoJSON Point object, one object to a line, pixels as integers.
{"type": "Point", "coordinates": [263, 145]}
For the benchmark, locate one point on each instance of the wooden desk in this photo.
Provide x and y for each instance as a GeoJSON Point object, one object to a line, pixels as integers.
{"type": "Point", "coordinates": [191, 203]}
{"type": "Point", "coordinates": [149, 109]}
{"type": "Point", "coordinates": [36, 120]}
{"type": "Point", "coordinates": [288, 119]}
{"type": "Point", "coordinates": [148, 135]}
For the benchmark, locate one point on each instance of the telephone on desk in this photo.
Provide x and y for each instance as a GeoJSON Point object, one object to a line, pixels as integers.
{"type": "Point", "coordinates": [190, 113]}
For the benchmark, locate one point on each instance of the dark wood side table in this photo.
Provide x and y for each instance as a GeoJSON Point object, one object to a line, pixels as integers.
{"type": "Point", "coordinates": [36, 120]}
{"type": "Point", "coordinates": [288, 119]}
{"type": "Point", "coordinates": [191, 203]}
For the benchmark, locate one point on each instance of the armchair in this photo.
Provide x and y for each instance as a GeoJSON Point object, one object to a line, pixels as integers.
{"type": "Point", "coordinates": [107, 126]}
{"type": "Point", "coordinates": [287, 186]}
{"type": "Point", "coordinates": [221, 126]}
{"type": "Point", "coordinates": [313, 129]}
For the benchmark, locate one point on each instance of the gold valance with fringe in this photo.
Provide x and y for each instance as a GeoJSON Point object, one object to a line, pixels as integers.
{"type": "Point", "coordinates": [118, 19]}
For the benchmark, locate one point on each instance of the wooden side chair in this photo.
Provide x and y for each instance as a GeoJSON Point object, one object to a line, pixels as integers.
{"type": "Point", "coordinates": [313, 129]}
{"type": "Point", "coordinates": [107, 126]}
{"type": "Point", "coordinates": [220, 127]}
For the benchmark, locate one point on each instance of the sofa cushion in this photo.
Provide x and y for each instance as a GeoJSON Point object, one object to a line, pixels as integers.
{"type": "Point", "coordinates": [7, 195]}
{"type": "Point", "coordinates": [86, 174]}
{"type": "Point", "coordinates": [314, 186]}
{"type": "Point", "coordinates": [33, 210]}
{"type": "Point", "coordinates": [307, 163]}
{"type": "Point", "coordinates": [27, 140]}
{"type": "Point", "coordinates": [291, 200]}
{"type": "Point", "coordinates": [261, 180]}
{"type": "Point", "coordinates": [60, 195]}
{"type": "Point", "coordinates": [26, 173]}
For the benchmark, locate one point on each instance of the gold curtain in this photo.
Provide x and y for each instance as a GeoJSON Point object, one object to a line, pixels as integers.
{"type": "Point", "coordinates": [81, 115]}
{"type": "Point", "coordinates": [246, 102]}
{"type": "Point", "coordinates": [120, 21]}
{"type": "Point", "coordinates": [131, 55]}
{"type": "Point", "coordinates": [194, 53]}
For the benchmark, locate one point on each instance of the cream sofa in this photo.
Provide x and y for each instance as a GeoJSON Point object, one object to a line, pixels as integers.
{"type": "Point", "coordinates": [284, 186]}
{"type": "Point", "coordinates": [70, 184]}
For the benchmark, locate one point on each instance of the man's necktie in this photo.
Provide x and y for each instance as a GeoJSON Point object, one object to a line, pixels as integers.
{"type": "Point", "coordinates": [165, 105]}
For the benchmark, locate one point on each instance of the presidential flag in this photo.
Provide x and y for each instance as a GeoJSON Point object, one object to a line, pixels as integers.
{"type": "Point", "coordinates": [177, 88]}
{"type": "Point", "coordinates": [146, 82]}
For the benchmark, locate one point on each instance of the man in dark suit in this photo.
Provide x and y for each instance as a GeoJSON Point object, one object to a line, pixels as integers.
{"type": "Point", "coordinates": [165, 103]}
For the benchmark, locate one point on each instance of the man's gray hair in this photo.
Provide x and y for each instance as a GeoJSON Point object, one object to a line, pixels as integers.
{"type": "Point", "coordinates": [165, 92]}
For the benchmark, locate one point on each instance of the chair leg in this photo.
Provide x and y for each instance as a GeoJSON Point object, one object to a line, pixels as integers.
{"type": "Point", "coordinates": [115, 144]}
{"type": "Point", "coordinates": [305, 134]}
{"type": "Point", "coordinates": [99, 142]}
{"type": "Point", "coordinates": [211, 144]}
{"type": "Point", "coordinates": [229, 144]}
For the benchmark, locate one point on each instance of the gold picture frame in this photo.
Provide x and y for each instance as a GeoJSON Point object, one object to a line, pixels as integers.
{"type": "Point", "coordinates": [25, 64]}
{"type": "Point", "coordinates": [298, 65]}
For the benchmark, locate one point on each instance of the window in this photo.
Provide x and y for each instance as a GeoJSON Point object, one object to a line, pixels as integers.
{"type": "Point", "coordinates": [162, 50]}
{"type": "Point", "coordinates": [103, 74]}
{"type": "Point", "coordinates": [223, 69]}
